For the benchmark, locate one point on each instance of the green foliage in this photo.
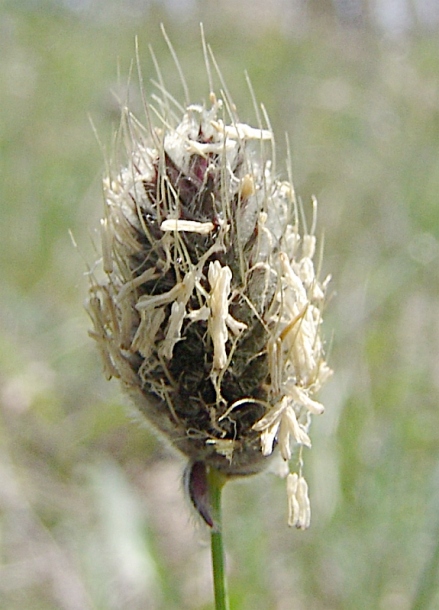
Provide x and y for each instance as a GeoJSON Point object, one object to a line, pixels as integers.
{"type": "Point", "coordinates": [92, 513]}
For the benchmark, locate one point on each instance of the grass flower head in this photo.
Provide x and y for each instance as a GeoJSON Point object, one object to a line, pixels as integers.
{"type": "Point", "coordinates": [209, 308]}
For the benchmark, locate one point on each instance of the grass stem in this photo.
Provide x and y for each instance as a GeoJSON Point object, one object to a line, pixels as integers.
{"type": "Point", "coordinates": [216, 483]}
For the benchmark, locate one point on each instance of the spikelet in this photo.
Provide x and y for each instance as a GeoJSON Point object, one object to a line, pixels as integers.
{"type": "Point", "coordinates": [210, 309]}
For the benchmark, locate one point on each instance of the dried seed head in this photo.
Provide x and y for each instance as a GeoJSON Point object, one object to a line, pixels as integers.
{"type": "Point", "coordinates": [210, 309]}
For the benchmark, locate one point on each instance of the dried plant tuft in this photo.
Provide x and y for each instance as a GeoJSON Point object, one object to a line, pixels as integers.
{"type": "Point", "coordinates": [210, 309]}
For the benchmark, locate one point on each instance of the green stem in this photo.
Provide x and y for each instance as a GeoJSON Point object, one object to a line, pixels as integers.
{"type": "Point", "coordinates": [216, 482]}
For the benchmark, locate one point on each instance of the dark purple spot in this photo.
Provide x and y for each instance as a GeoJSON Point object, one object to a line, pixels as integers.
{"type": "Point", "coordinates": [198, 489]}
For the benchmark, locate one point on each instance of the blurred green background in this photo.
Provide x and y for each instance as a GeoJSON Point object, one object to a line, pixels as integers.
{"type": "Point", "coordinates": [92, 511]}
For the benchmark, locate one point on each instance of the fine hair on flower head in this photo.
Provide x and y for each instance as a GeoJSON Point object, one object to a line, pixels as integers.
{"type": "Point", "coordinates": [208, 308]}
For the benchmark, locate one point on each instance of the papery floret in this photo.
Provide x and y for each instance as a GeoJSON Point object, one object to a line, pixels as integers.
{"type": "Point", "coordinates": [281, 421]}
{"type": "Point", "coordinates": [299, 509]}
